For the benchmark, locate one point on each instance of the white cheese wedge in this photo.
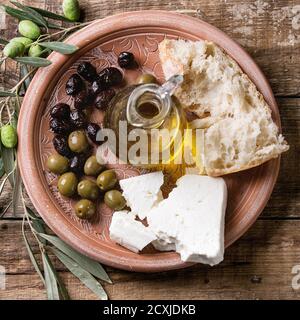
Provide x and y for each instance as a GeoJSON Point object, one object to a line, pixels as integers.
{"type": "Point", "coordinates": [128, 232]}
{"type": "Point", "coordinates": [143, 192]}
{"type": "Point", "coordinates": [192, 219]}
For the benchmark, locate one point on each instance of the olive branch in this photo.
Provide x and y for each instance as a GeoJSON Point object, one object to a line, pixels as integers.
{"type": "Point", "coordinates": [82, 267]}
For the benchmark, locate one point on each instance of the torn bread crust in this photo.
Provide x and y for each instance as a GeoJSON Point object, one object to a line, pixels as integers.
{"type": "Point", "coordinates": [218, 92]}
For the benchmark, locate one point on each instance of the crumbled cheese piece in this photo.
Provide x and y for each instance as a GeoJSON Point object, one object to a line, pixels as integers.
{"type": "Point", "coordinates": [128, 232]}
{"type": "Point", "coordinates": [143, 192]}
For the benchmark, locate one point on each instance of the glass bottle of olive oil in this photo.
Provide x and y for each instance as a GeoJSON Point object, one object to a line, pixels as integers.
{"type": "Point", "coordinates": [149, 125]}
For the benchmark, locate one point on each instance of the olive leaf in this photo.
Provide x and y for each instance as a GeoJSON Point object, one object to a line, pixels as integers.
{"type": "Point", "coordinates": [49, 14]}
{"type": "Point", "coordinates": [31, 214]}
{"type": "Point", "coordinates": [50, 278]}
{"type": "Point", "coordinates": [33, 15]}
{"type": "Point", "coordinates": [60, 47]}
{"type": "Point", "coordinates": [84, 276]}
{"type": "Point", "coordinates": [63, 292]}
{"type": "Point", "coordinates": [1, 168]}
{"type": "Point", "coordinates": [39, 228]}
{"type": "Point", "coordinates": [3, 182]}
{"type": "Point", "coordinates": [32, 258]}
{"type": "Point", "coordinates": [54, 26]}
{"type": "Point", "coordinates": [31, 255]}
{"type": "Point", "coordinates": [24, 72]}
{"type": "Point", "coordinates": [14, 120]}
{"type": "Point", "coordinates": [34, 61]}
{"type": "Point", "coordinates": [3, 41]}
{"type": "Point", "coordinates": [86, 263]}
{"type": "Point", "coordinates": [9, 164]}
{"type": "Point", "coordinates": [7, 94]}
{"type": "Point", "coordinates": [22, 15]}
{"type": "Point", "coordinates": [5, 209]}
{"type": "Point", "coordinates": [19, 14]}
{"type": "Point", "coordinates": [17, 190]}
{"type": "Point", "coordinates": [37, 223]}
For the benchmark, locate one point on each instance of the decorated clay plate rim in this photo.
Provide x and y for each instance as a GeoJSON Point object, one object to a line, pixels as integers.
{"type": "Point", "coordinates": [97, 32]}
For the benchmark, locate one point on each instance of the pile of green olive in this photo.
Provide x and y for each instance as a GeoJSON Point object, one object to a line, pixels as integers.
{"type": "Point", "coordinates": [73, 137]}
{"type": "Point", "coordinates": [103, 187]}
{"type": "Point", "coordinates": [19, 46]}
{"type": "Point", "coordinates": [27, 43]}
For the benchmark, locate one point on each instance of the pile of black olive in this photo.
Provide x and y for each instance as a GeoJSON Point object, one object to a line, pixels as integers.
{"type": "Point", "coordinates": [74, 136]}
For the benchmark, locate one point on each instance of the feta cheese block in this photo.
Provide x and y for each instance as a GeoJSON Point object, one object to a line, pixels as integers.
{"type": "Point", "coordinates": [192, 219]}
{"type": "Point", "coordinates": [143, 192]}
{"type": "Point", "coordinates": [128, 232]}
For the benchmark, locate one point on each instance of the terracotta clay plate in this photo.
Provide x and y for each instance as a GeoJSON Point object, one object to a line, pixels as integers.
{"type": "Point", "coordinates": [100, 43]}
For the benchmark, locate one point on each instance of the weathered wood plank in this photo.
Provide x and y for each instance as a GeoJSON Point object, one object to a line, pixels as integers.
{"type": "Point", "coordinates": [258, 266]}
{"type": "Point", "coordinates": [285, 199]}
{"type": "Point", "coordinates": [269, 30]}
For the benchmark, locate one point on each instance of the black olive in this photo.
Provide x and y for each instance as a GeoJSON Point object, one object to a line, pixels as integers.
{"type": "Point", "coordinates": [60, 126]}
{"type": "Point", "coordinates": [77, 163]}
{"type": "Point", "coordinates": [84, 99]}
{"type": "Point", "coordinates": [87, 71]}
{"type": "Point", "coordinates": [74, 85]}
{"type": "Point", "coordinates": [97, 86]}
{"type": "Point", "coordinates": [77, 119]}
{"type": "Point", "coordinates": [126, 60]}
{"type": "Point", "coordinates": [92, 130]}
{"type": "Point", "coordinates": [110, 77]}
{"type": "Point", "coordinates": [60, 144]}
{"type": "Point", "coordinates": [103, 98]}
{"type": "Point", "coordinates": [60, 111]}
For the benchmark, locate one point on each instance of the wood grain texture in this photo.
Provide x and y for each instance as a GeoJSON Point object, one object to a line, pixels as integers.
{"type": "Point", "coordinates": [268, 30]}
{"type": "Point", "coordinates": [259, 265]}
{"type": "Point", "coordinates": [256, 267]}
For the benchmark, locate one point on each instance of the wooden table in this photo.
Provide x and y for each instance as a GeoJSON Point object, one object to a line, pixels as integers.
{"type": "Point", "coordinates": [259, 265]}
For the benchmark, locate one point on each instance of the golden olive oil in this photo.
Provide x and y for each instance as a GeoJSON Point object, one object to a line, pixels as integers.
{"type": "Point", "coordinates": [151, 128]}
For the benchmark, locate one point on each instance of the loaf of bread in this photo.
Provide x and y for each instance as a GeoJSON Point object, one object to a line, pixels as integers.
{"type": "Point", "coordinates": [239, 132]}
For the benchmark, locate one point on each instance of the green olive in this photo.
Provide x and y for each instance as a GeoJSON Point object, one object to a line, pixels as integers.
{"type": "Point", "coordinates": [13, 49]}
{"type": "Point", "coordinates": [67, 184]}
{"type": "Point", "coordinates": [57, 164]}
{"type": "Point", "coordinates": [25, 41]}
{"type": "Point", "coordinates": [107, 180]}
{"type": "Point", "coordinates": [29, 29]}
{"type": "Point", "coordinates": [78, 141]}
{"type": "Point", "coordinates": [85, 209]}
{"type": "Point", "coordinates": [114, 200]}
{"type": "Point", "coordinates": [9, 136]}
{"type": "Point", "coordinates": [35, 51]}
{"type": "Point", "coordinates": [92, 167]}
{"type": "Point", "coordinates": [71, 9]}
{"type": "Point", "coordinates": [146, 78]}
{"type": "Point", "coordinates": [88, 189]}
